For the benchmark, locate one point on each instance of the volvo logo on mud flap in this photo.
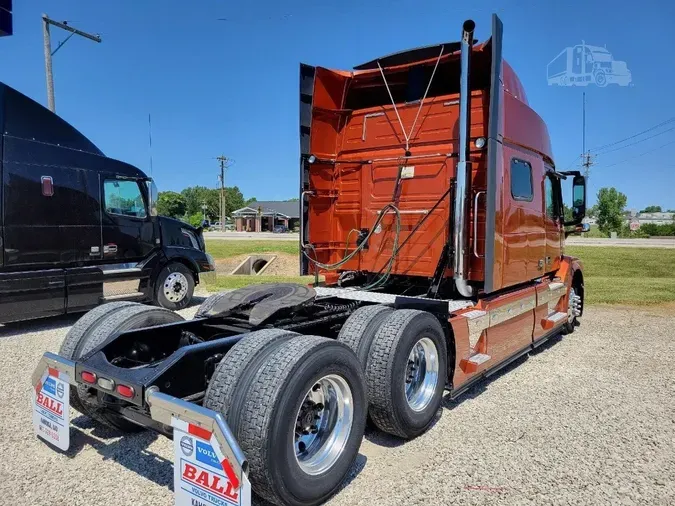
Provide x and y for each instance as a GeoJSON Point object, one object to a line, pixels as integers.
{"type": "Point", "coordinates": [187, 446]}
{"type": "Point", "coordinates": [49, 386]}
{"type": "Point", "coordinates": [206, 455]}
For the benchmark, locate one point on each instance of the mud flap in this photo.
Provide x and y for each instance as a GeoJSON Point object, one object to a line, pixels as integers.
{"type": "Point", "coordinates": [202, 474]}
{"type": "Point", "coordinates": [209, 467]}
{"type": "Point", "coordinates": [51, 420]}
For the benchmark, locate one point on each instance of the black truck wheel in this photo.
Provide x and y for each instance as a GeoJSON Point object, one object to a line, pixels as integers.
{"type": "Point", "coordinates": [236, 370]}
{"type": "Point", "coordinates": [406, 372]}
{"type": "Point", "coordinates": [174, 286]}
{"type": "Point", "coordinates": [360, 328]}
{"type": "Point", "coordinates": [135, 316]}
{"type": "Point", "coordinates": [77, 335]}
{"type": "Point", "coordinates": [302, 420]}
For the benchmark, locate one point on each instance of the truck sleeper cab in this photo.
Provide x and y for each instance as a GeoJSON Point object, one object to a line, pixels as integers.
{"type": "Point", "coordinates": [78, 228]}
{"type": "Point", "coordinates": [434, 255]}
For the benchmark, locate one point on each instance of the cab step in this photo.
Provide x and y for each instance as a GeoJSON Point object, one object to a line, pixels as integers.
{"type": "Point", "coordinates": [552, 320]}
{"type": "Point", "coordinates": [471, 364]}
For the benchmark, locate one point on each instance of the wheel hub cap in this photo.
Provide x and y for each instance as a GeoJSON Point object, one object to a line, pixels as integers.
{"type": "Point", "coordinates": [175, 287]}
{"type": "Point", "coordinates": [573, 306]}
{"type": "Point", "coordinates": [421, 376]}
{"type": "Point", "coordinates": [323, 424]}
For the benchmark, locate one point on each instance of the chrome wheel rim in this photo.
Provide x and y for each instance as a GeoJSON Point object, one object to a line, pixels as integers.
{"type": "Point", "coordinates": [421, 374]}
{"type": "Point", "coordinates": [573, 306]}
{"type": "Point", "coordinates": [323, 424]}
{"type": "Point", "coordinates": [175, 287]}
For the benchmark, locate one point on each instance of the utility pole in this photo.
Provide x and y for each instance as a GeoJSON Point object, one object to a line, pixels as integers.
{"type": "Point", "coordinates": [583, 123]}
{"type": "Point", "coordinates": [586, 158]}
{"type": "Point", "coordinates": [224, 161]}
{"type": "Point", "coordinates": [46, 21]}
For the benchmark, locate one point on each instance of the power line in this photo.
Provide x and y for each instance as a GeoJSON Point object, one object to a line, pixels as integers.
{"type": "Point", "coordinates": [637, 142]}
{"type": "Point", "coordinates": [598, 148]}
{"type": "Point", "coordinates": [638, 156]}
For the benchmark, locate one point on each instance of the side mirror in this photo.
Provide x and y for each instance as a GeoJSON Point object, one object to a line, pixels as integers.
{"type": "Point", "coordinates": [153, 196]}
{"type": "Point", "coordinates": [578, 200]}
{"type": "Point", "coordinates": [579, 197]}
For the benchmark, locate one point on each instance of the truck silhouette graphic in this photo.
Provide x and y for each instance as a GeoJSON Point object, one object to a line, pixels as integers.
{"type": "Point", "coordinates": [582, 65]}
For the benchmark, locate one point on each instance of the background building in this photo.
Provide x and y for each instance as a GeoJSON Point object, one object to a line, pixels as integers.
{"type": "Point", "coordinates": [264, 216]}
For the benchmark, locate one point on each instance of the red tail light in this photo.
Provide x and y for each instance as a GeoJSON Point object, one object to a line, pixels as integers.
{"type": "Point", "coordinates": [126, 391]}
{"type": "Point", "coordinates": [88, 377]}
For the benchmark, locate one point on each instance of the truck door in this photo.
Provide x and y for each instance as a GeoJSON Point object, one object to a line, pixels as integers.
{"type": "Point", "coordinates": [552, 221]}
{"type": "Point", "coordinates": [524, 236]}
{"type": "Point", "coordinates": [127, 231]}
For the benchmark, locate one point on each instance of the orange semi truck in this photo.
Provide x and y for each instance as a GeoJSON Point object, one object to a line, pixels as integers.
{"type": "Point", "coordinates": [431, 206]}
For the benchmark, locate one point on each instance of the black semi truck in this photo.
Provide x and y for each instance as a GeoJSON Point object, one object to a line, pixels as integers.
{"type": "Point", "coordinates": [78, 228]}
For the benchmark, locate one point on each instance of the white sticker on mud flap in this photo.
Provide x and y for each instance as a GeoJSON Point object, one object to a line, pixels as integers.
{"type": "Point", "coordinates": [202, 476]}
{"type": "Point", "coordinates": [50, 409]}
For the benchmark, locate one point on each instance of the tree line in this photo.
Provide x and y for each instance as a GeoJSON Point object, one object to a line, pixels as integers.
{"type": "Point", "coordinates": [188, 204]}
{"type": "Point", "coordinates": [610, 213]}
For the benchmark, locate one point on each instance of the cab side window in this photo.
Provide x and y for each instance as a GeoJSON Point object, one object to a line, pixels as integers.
{"type": "Point", "coordinates": [521, 180]}
{"type": "Point", "coordinates": [124, 198]}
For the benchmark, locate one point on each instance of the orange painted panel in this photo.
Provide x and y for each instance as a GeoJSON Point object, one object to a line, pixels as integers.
{"type": "Point", "coordinates": [350, 192]}
{"type": "Point", "coordinates": [509, 337]}
{"type": "Point", "coordinates": [523, 232]}
{"type": "Point", "coordinates": [512, 334]}
{"type": "Point", "coordinates": [540, 312]}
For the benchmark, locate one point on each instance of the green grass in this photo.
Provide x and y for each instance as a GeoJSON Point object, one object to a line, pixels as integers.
{"type": "Point", "coordinates": [226, 249]}
{"type": "Point", "coordinates": [633, 276]}
{"type": "Point", "coordinates": [595, 233]}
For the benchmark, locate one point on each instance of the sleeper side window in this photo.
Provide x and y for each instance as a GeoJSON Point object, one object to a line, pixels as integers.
{"type": "Point", "coordinates": [521, 180]}
{"type": "Point", "coordinates": [124, 197]}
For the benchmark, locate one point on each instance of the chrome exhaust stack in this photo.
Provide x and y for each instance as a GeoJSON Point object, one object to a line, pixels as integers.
{"type": "Point", "coordinates": [462, 188]}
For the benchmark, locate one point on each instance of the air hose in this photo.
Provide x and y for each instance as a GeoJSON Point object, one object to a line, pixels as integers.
{"type": "Point", "coordinates": [347, 258]}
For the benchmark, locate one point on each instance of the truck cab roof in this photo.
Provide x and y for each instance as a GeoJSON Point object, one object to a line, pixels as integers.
{"type": "Point", "coordinates": [24, 118]}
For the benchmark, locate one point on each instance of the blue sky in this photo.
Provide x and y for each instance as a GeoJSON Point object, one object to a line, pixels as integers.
{"type": "Point", "coordinates": [231, 86]}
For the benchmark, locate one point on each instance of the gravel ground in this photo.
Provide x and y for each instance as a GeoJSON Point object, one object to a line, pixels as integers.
{"type": "Point", "coordinates": [588, 419]}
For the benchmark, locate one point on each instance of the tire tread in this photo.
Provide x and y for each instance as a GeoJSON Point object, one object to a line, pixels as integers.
{"type": "Point", "coordinates": [379, 371]}
{"type": "Point", "coordinates": [257, 417]}
{"type": "Point", "coordinates": [96, 337]}
{"type": "Point", "coordinates": [78, 334]}
{"type": "Point", "coordinates": [358, 332]}
{"type": "Point", "coordinates": [226, 383]}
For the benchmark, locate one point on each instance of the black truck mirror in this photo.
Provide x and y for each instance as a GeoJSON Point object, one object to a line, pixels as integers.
{"type": "Point", "coordinates": [153, 196]}
{"type": "Point", "coordinates": [578, 199]}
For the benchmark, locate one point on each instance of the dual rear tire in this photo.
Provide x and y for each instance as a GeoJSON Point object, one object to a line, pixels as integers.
{"type": "Point", "coordinates": [297, 406]}
{"type": "Point", "coordinates": [404, 356]}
